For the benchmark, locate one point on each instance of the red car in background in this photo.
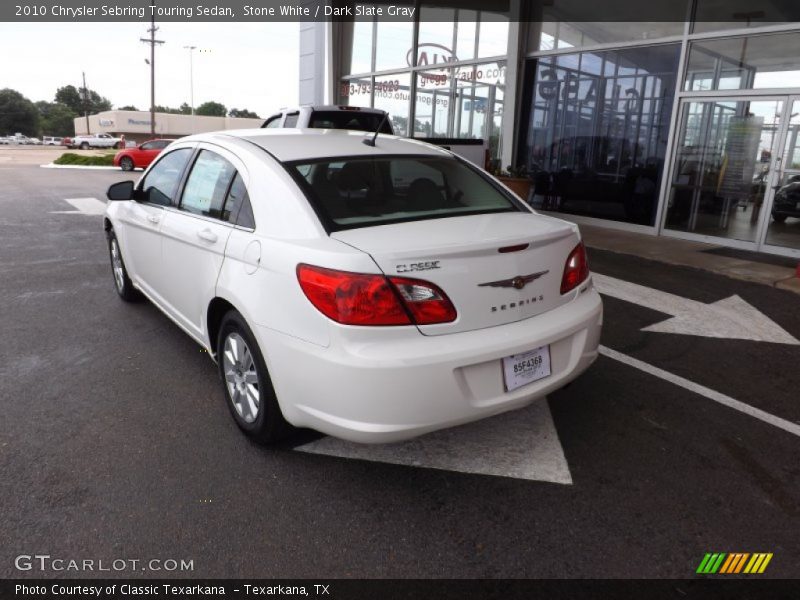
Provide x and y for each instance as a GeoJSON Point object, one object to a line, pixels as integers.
{"type": "Point", "coordinates": [141, 156]}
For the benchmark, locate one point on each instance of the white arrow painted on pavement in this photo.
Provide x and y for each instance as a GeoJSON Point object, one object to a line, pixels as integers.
{"type": "Point", "coordinates": [84, 206]}
{"type": "Point", "coordinates": [522, 444]}
{"type": "Point", "coordinates": [731, 318]}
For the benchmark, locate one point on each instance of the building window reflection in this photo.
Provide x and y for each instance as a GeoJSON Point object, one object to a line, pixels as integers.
{"type": "Point", "coordinates": [454, 94]}
{"type": "Point", "coordinates": [597, 131]}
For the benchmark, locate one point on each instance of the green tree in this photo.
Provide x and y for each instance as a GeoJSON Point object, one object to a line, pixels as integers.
{"type": "Point", "coordinates": [56, 119]}
{"type": "Point", "coordinates": [243, 114]}
{"type": "Point", "coordinates": [185, 109]}
{"type": "Point", "coordinates": [17, 113]}
{"type": "Point", "coordinates": [73, 98]}
{"type": "Point", "coordinates": [128, 107]}
{"type": "Point", "coordinates": [211, 109]}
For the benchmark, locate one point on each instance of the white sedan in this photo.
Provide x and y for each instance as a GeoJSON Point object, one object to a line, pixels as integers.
{"type": "Point", "coordinates": [370, 292]}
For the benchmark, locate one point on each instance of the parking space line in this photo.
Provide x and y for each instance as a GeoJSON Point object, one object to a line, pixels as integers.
{"type": "Point", "coordinates": [84, 206]}
{"type": "Point", "coordinates": [522, 444]}
{"type": "Point", "coordinates": [752, 411]}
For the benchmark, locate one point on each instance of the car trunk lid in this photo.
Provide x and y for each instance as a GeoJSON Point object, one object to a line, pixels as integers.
{"type": "Point", "coordinates": [495, 268]}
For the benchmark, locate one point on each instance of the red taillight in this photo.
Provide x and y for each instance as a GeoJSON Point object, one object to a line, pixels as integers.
{"type": "Point", "coordinates": [367, 299]}
{"type": "Point", "coordinates": [426, 302]}
{"type": "Point", "coordinates": [576, 270]}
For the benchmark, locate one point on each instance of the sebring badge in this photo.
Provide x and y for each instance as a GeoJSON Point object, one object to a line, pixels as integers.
{"type": "Point", "coordinates": [518, 282]}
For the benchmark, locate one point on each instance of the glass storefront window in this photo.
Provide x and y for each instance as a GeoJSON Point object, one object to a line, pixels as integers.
{"type": "Point", "coordinates": [356, 91]}
{"type": "Point", "coordinates": [360, 50]}
{"type": "Point", "coordinates": [556, 35]}
{"type": "Point", "coordinates": [436, 27]}
{"type": "Point", "coordinates": [392, 93]}
{"type": "Point", "coordinates": [464, 102]}
{"type": "Point", "coordinates": [493, 37]}
{"type": "Point", "coordinates": [433, 103]}
{"type": "Point", "coordinates": [722, 166]}
{"type": "Point", "coordinates": [784, 223]}
{"type": "Point", "coordinates": [598, 128]}
{"type": "Point", "coordinates": [719, 15]}
{"type": "Point", "coordinates": [753, 62]}
{"type": "Point", "coordinates": [465, 35]}
{"type": "Point", "coordinates": [393, 41]}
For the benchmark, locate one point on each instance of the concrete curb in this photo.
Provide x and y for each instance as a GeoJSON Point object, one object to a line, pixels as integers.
{"type": "Point", "coordinates": [55, 166]}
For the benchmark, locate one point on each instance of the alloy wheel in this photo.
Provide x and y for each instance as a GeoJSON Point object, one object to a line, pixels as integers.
{"type": "Point", "coordinates": [241, 377]}
{"type": "Point", "coordinates": [116, 266]}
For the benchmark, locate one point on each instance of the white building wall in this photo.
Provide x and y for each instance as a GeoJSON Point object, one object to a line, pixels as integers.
{"type": "Point", "coordinates": [136, 124]}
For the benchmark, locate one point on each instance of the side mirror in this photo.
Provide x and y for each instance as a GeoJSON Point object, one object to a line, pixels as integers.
{"type": "Point", "coordinates": [120, 191]}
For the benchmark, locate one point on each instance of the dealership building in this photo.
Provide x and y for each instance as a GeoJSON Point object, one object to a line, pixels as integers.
{"type": "Point", "coordinates": [687, 129]}
{"type": "Point", "coordinates": [135, 124]}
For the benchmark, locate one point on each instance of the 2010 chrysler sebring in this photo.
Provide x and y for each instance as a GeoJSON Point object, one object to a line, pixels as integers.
{"type": "Point", "coordinates": [370, 292]}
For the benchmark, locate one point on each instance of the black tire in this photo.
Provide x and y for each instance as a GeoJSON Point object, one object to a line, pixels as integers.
{"type": "Point", "coordinates": [268, 424]}
{"type": "Point", "coordinates": [84, 146]}
{"type": "Point", "coordinates": [122, 283]}
{"type": "Point", "coordinates": [779, 218]}
{"type": "Point", "coordinates": [126, 163]}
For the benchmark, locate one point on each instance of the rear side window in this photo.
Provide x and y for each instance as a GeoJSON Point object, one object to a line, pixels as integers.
{"type": "Point", "coordinates": [291, 120]}
{"type": "Point", "coordinates": [273, 122]}
{"type": "Point", "coordinates": [161, 182]}
{"type": "Point", "coordinates": [364, 191]}
{"type": "Point", "coordinates": [237, 205]}
{"type": "Point", "coordinates": [207, 185]}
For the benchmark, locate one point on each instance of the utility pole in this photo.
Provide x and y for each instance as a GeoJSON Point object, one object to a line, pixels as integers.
{"type": "Point", "coordinates": [191, 50]}
{"type": "Point", "coordinates": [152, 41]}
{"type": "Point", "coordinates": [86, 102]}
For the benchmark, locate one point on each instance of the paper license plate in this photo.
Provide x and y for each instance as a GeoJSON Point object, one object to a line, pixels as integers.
{"type": "Point", "coordinates": [525, 368]}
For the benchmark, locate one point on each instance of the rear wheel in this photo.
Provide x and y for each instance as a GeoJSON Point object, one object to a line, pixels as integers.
{"type": "Point", "coordinates": [126, 163]}
{"type": "Point", "coordinates": [84, 146]}
{"type": "Point", "coordinates": [122, 282]}
{"type": "Point", "coordinates": [779, 218]}
{"type": "Point", "coordinates": [247, 384]}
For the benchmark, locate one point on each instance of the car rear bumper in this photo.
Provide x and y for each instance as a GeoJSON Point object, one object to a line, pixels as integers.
{"type": "Point", "coordinates": [373, 388]}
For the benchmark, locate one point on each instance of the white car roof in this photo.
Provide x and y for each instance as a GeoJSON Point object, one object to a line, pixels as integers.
{"type": "Point", "coordinates": [308, 144]}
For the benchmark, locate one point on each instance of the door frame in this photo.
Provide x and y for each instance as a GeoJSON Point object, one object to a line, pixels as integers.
{"type": "Point", "coordinates": [793, 100]}
{"type": "Point", "coordinates": [759, 244]}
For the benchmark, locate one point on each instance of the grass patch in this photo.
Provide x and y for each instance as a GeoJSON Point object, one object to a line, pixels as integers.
{"type": "Point", "coordinates": [70, 158]}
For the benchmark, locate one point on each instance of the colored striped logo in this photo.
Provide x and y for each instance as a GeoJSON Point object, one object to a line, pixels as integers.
{"type": "Point", "coordinates": [735, 562]}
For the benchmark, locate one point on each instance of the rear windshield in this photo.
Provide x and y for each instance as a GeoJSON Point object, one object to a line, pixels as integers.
{"type": "Point", "coordinates": [347, 119]}
{"type": "Point", "coordinates": [364, 191]}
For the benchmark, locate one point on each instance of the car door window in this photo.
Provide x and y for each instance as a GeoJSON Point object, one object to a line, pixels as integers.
{"type": "Point", "coordinates": [161, 182]}
{"type": "Point", "coordinates": [274, 121]}
{"type": "Point", "coordinates": [160, 145]}
{"type": "Point", "coordinates": [207, 185]}
{"type": "Point", "coordinates": [148, 146]}
{"type": "Point", "coordinates": [237, 205]}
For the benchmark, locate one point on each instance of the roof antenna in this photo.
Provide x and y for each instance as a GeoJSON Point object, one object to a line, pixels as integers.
{"type": "Point", "coordinates": [371, 141]}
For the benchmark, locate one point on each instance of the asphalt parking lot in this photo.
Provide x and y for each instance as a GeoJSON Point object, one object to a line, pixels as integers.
{"type": "Point", "coordinates": [115, 441]}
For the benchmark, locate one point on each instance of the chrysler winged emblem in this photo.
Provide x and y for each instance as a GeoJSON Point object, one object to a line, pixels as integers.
{"type": "Point", "coordinates": [518, 282]}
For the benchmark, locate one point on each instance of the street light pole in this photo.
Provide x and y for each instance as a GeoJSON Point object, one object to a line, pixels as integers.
{"type": "Point", "coordinates": [191, 50]}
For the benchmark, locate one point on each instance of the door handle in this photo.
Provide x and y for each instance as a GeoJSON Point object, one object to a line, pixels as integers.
{"type": "Point", "coordinates": [153, 219]}
{"type": "Point", "coordinates": [207, 235]}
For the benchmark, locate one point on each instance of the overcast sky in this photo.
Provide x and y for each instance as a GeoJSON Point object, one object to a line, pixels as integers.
{"type": "Point", "coordinates": [248, 65]}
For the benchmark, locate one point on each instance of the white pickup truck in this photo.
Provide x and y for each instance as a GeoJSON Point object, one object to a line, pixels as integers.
{"type": "Point", "coordinates": [100, 140]}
